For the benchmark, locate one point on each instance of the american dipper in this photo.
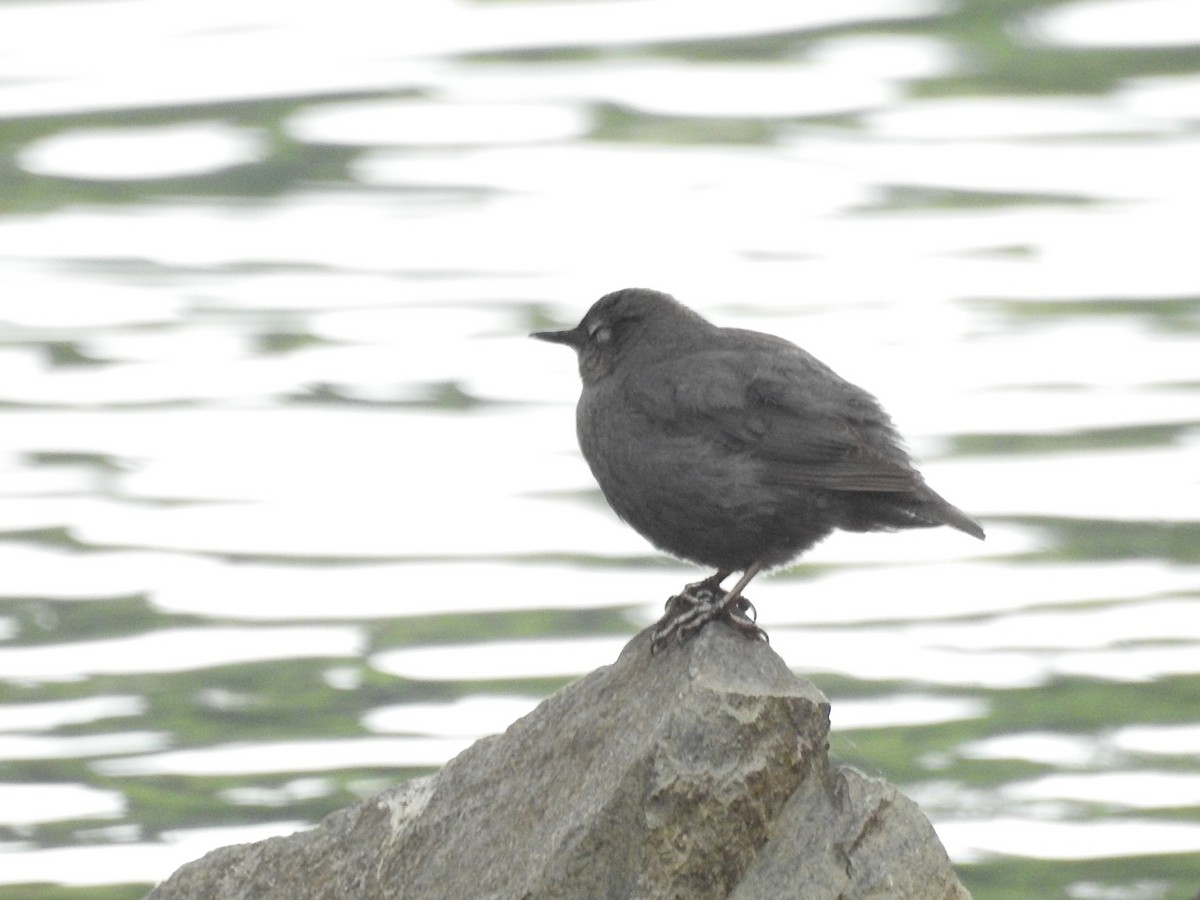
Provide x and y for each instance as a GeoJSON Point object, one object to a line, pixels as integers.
{"type": "Point", "coordinates": [733, 449]}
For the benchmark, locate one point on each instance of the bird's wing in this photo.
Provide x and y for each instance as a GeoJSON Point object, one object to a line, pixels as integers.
{"type": "Point", "coordinates": [809, 426]}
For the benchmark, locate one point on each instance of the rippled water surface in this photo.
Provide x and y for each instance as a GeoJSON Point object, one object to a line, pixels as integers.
{"type": "Point", "coordinates": [291, 509]}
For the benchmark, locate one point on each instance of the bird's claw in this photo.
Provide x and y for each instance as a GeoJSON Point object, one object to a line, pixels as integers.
{"type": "Point", "coordinates": [697, 605]}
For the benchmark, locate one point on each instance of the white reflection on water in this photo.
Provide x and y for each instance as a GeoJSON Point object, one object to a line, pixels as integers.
{"type": "Point", "coordinates": [406, 589]}
{"type": "Point", "coordinates": [1066, 750]}
{"type": "Point", "coordinates": [1119, 23]}
{"type": "Point", "coordinates": [905, 710]}
{"type": "Point", "coordinates": [1168, 96]}
{"type": "Point", "coordinates": [176, 650]}
{"type": "Point", "coordinates": [1133, 790]}
{"type": "Point", "coordinates": [318, 49]}
{"type": "Point", "coordinates": [1143, 485]}
{"type": "Point", "coordinates": [27, 804]}
{"type": "Point", "coordinates": [1183, 740]}
{"type": "Point", "coordinates": [467, 717]}
{"type": "Point", "coordinates": [917, 654]}
{"type": "Point", "coordinates": [290, 792]}
{"type": "Point", "coordinates": [970, 118]}
{"type": "Point", "coordinates": [37, 299]}
{"type": "Point", "coordinates": [116, 863]}
{"type": "Point", "coordinates": [722, 90]}
{"type": "Point", "coordinates": [975, 841]}
{"type": "Point", "coordinates": [20, 746]}
{"type": "Point", "coordinates": [1062, 168]}
{"type": "Point", "coordinates": [166, 151]}
{"type": "Point", "coordinates": [500, 659]}
{"type": "Point", "coordinates": [1108, 626]}
{"type": "Point", "coordinates": [837, 75]}
{"type": "Point", "coordinates": [932, 591]}
{"type": "Point", "coordinates": [1133, 664]}
{"type": "Point", "coordinates": [425, 123]}
{"type": "Point", "coordinates": [265, 758]}
{"type": "Point", "coordinates": [54, 574]}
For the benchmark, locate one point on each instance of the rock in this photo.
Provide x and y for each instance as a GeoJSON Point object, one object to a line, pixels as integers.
{"type": "Point", "coordinates": [697, 772]}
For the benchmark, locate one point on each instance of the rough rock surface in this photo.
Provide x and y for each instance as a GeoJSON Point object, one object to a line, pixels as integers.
{"type": "Point", "coordinates": [697, 772]}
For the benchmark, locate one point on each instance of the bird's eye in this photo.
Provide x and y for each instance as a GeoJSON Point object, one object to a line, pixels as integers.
{"type": "Point", "coordinates": [601, 334]}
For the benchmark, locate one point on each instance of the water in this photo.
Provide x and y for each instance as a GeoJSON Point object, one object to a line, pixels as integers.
{"type": "Point", "coordinates": [291, 508]}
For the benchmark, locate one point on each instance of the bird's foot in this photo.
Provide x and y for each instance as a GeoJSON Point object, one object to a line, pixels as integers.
{"type": "Point", "coordinates": [697, 605]}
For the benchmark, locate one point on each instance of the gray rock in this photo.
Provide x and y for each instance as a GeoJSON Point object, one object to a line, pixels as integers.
{"type": "Point", "coordinates": [697, 772]}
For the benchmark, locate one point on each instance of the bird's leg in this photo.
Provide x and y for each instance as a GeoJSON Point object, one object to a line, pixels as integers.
{"type": "Point", "coordinates": [731, 603]}
{"type": "Point", "coordinates": [702, 602]}
{"type": "Point", "coordinates": [697, 593]}
{"type": "Point", "coordinates": [738, 611]}
{"type": "Point", "coordinates": [689, 609]}
{"type": "Point", "coordinates": [734, 598]}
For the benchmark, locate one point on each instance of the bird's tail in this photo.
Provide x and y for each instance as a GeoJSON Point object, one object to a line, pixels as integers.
{"type": "Point", "coordinates": [941, 512]}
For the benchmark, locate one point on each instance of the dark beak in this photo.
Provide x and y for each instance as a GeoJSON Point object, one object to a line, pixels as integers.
{"type": "Point", "coordinates": [574, 337]}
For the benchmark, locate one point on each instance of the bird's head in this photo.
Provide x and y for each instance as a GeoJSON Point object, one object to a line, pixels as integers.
{"type": "Point", "coordinates": [623, 324]}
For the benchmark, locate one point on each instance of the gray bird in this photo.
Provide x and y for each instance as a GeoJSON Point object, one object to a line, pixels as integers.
{"type": "Point", "coordinates": [733, 449]}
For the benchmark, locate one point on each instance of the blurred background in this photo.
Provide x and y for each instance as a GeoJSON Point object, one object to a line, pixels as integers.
{"type": "Point", "coordinates": [291, 509]}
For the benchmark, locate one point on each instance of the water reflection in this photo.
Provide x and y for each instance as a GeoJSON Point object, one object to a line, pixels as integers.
{"type": "Point", "coordinates": [291, 756]}
{"type": "Point", "coordinates": [175, 650]}
{"type": "Point", "coordinates": [29, 804]}
{"type": "Point", "coordinates": [292, 508]}
{"type": "Point", "coordinates": [1119, 23]}
{"type": "Point", "coordinates": [142, 153]}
